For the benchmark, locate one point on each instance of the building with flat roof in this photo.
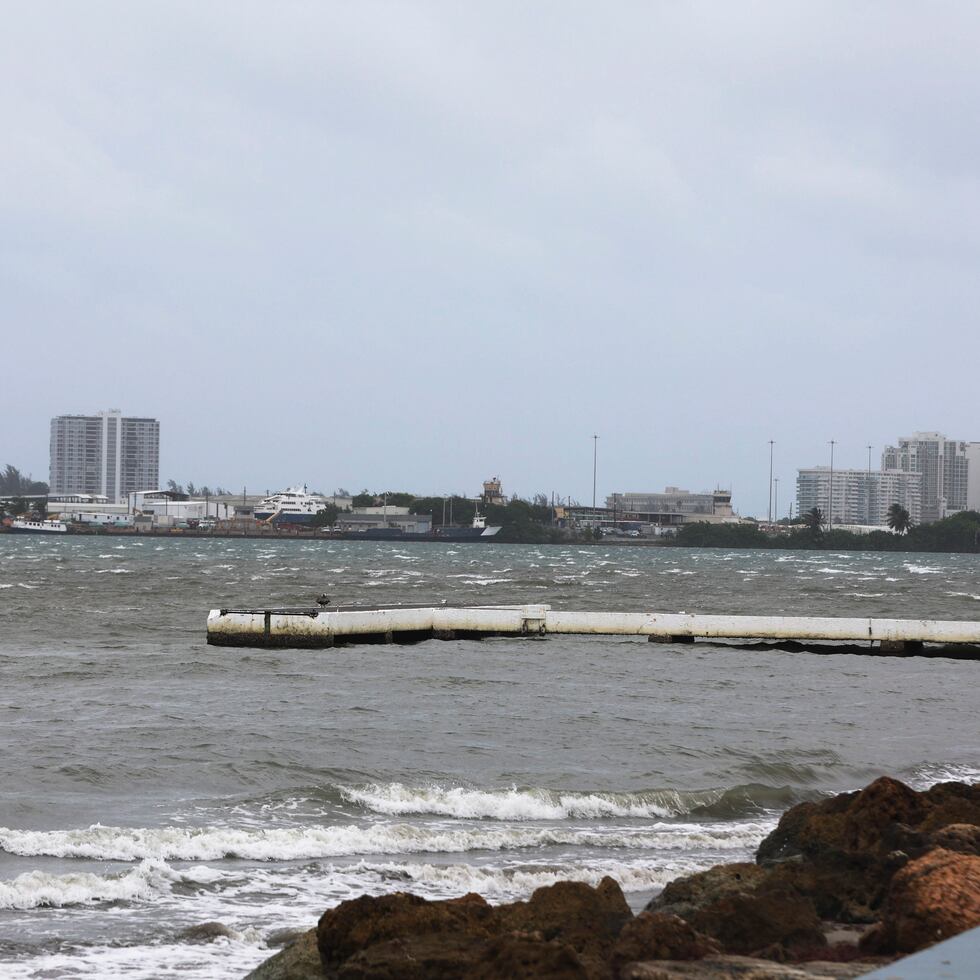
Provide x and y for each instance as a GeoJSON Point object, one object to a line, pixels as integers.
{"type": "Point", "coordinates": [944, 466]}
{"type": "Point", "coordinates": [105, 454]}
{"type": "Point", "coordinates": [860, 497]}
{"type": "Point", "coordinates": [673, 506]}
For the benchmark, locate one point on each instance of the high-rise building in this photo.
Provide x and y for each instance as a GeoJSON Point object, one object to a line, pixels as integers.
{"type": "Point", "coordinates": [860, 497]}
{"type": "Point", "coordinates": [104, 454]}
{"type": "Point", "coordinates": [944, 465]}
{"type": "Point", "coordinates": [973, 476]}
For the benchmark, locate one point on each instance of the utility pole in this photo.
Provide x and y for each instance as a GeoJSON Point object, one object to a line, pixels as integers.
{"type": "Point", "coordinates": [869, 484]}
{"type": "Point", "coordinates": [830, 519]}
{"type": "Point", "coordinates": [770, 480]}
{"type": "Point", "coordinates": [776, 495]}
{"type": "Point", "coordinates": [595, 458]}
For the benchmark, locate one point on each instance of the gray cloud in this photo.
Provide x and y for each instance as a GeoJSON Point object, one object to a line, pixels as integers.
{"type": "Point", "coordinates": [414, 245]}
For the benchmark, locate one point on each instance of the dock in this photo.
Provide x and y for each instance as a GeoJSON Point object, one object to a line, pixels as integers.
{"type": "Point", "coordinates": [322, 628]}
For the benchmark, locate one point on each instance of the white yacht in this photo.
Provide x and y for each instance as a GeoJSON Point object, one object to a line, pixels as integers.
{"type": "Point", "coordinates": [292, 506]}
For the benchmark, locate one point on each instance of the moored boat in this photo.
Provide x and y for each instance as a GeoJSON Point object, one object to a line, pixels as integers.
{"type": "Point", "coordinates": [24, 526]}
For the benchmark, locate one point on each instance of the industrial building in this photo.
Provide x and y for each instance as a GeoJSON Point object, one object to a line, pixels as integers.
{"type": "Point", "coordinates": [106, 455]}
{"type": "Point", "coordinates": [673, 506]}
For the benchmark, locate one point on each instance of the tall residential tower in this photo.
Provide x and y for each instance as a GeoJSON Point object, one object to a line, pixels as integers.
{"type": "Point", "coordinates": [104, 454]}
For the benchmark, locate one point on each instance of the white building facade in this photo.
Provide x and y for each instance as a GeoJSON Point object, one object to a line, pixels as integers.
{"type": "Point", "coordinates": [859, 496]}
{"type": "Point", "coordinates": [944, 466]}
{"type": "Point", "coordinates": [104, 454]}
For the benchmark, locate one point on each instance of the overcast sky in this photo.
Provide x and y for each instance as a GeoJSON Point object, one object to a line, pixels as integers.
{"type": "Point", "coordinates": [415, 245]}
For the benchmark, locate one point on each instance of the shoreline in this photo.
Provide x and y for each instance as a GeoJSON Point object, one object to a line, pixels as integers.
{"type": "Point", "coordinates": [840, 888]}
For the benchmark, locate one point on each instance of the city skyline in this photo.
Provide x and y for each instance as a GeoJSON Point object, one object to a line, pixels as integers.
{"type": "Point", "coordinates": [419, 247]}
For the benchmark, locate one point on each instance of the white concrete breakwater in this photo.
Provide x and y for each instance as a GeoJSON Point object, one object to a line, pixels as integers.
{"type": "Point", "coordinates": [317, 627]}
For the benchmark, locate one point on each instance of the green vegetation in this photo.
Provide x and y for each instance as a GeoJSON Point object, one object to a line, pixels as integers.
{"type": "Point", "coordinates": [959, 533]}
{"type": "Point", "coordinates": [14, 483]}
{"type": "Point", "coordinates": [326, 517]}
{"type": "Point", "coordinates": [898, 519]}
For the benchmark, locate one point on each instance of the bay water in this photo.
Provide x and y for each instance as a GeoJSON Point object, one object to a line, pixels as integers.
{"type": "Point", "coordinates": [150, 783]}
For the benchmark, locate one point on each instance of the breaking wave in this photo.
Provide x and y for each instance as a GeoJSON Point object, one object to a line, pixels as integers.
{"type": "Point", "coordinates": [397, 799]}
{"type": "Point", "coordinates": [36, 889]}
{"type": "Point", "coordinates": [307, 843]}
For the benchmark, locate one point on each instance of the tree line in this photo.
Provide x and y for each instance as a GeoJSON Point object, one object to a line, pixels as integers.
{"type": "Point", "coordinates": [958, 533]}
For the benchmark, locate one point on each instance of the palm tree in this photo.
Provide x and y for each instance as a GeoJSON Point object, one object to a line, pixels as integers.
{"type": "Point", "coordinates": [899, 519]}
{"type": "Point", "coordinates": [814, 520]}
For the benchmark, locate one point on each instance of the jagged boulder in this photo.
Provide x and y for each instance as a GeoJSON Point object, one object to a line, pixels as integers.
{"type": "Point", "coordinates": [361, 923]}
{"type": "Point", "coordinates": [842, 852]}
{"type": "Point", "coordinates": [567, 929]}
{"type": "Point", "coordinates": [659, 936]}
{"type": "Point", "coordinates": [932, 898]}
{"type": "Point", "coordinates": [300, 960]}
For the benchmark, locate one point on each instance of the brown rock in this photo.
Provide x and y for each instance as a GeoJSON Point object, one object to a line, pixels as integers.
{"type": "Point", "coordinates": [933, 898]}
{"type": "Point", "coordinates": [684, 896]}
{"type": "Point", "coordinates": [842, 852]}
{"type": "Point", "coordinates": [770, 920]}
{"type": "Point", "coordinates": [300, 960]}
{"type": "Point", "coordinates": [436, 956]}
{"type": "Point", "coordinates": [964, 838]}
{"type": "Point", "coordinates": [587, 919]}
{"type": "Point", "coordinates": [658, 936]}
{"type": "Point", "coordinates": [523, 955]}
{"type": "Point", "coordinates": [358, 924]}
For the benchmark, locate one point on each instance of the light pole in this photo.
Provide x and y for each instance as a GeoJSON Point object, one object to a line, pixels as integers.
{"type": "Point", "coordinates": [830, 519]}
{"type": "Point", "coordinates": [869, 484]}
{"type": "Point", "coordinates": [776, 498]}
{"type": "Point", "coordinates": [770, 480]}
{"type": "Point", "coordinates": [595, 459]}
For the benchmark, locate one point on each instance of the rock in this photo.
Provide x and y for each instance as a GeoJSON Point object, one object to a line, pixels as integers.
{"type": "Point", "coordinates": [205, 932]}
{"type": "Point", "coordinates": [745, 908]}
{"type": "Point", "coordinates": [568, 926]}
{"type": "Point", "coordinates": [283, 937]}
{"type": "Point", "coordinates": [743, 968]}
{"type": "Point", "coordinates": [684, 896]}
{"type": "Point", "coordinates": [522, 955]}
{"type": "Point", "coordinates": [356, 925]}
{"type": "Point", "coordinates": [300, 960]}
{"type": "Point", "coordinates": [963, 838]}
{"type": "Point", "coordinates": [842, 852]}
{"type": "Point", "coordinates": [933, 898]}
{"type": "Point", "coordinates": [587, 919]}
{"type": "Point", "coordinates": [659, 936]}
{"type": "Point", "coordinates": [772, 921]}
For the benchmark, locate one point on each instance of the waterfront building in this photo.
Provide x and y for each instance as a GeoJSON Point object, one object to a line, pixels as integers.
{"type": "Point", "coordinates": [860, 496]}
{"type": "Point", "coordinates": [973, 476]}
{"type": "Point", "coordinates": [944, 466]}
{"type": "Point", "coordinates": [105, 454]}
{"type": "Point", "coordinates": [673, 506]}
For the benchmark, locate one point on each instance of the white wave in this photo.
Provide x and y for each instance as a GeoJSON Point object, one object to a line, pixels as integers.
{"type": "Point", "coordinates": [396, 799]}
{"type": "Point", "coordinates": [306, 843]}
{"type": "Point", "coordinates": [36, 889]}
{"type": "Point", "coordinates": [943, 772]}
{"type": "Point", "coordinates": [922, 569]}
{"type": "Point", "coordinates": [4, 585]}
{"type": "Point", "coordinates": [114, 571]}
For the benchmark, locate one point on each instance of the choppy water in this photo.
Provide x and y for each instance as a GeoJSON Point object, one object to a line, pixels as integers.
{"type": "Point", "coordinates": [149, 782]}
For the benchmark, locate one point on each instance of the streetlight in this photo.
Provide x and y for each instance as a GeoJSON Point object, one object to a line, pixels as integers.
{"type": "Point", "coordinates": [770, 480]}
{"type": "Point", "coordinates": [776, 505]}
{"type": "Point", "coordinates": [869, 484]}
{"type": "Point", "coordinates": [830, 520]}
{"type": "Point", "coordinates": [595, 458]}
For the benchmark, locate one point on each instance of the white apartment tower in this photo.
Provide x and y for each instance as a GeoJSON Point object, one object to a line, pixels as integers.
{"type": "Point", "coordinates": [859, 497]}
{"type": "Point", "coordinates": [104, 454]}
{"type": "Point", "coordinates": [944, 465]}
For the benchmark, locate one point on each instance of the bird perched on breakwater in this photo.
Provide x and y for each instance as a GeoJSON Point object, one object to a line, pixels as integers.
{"type": "Point", "coordinates": [324, 600]}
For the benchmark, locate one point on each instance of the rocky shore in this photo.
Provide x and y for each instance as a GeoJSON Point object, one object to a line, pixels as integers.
{"type": "Point", "coordinates": [838, 888]}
